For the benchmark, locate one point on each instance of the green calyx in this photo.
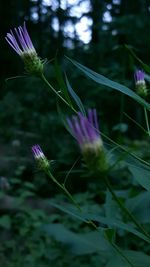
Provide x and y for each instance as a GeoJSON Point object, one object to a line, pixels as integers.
{"type": "Point", "coordinates": [95, 159]}
{"type": "Point", "coordinates": [141, 89]}
{"type": "Point", "coordinates": [33, 64]}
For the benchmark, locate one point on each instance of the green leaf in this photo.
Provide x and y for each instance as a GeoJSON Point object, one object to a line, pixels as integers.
{"type": "Point", "coordinates": [87, 217]}
{"type": "Point", "coordinates": [110, 235]}
{"type": "Point", "coordinates": [75, 97]}
{"type": "Point", "coordinates": [139, 206]}
{"type": "Point", "coordinates": [138, 259]}
{"type": "Point", "coordinates": [116, 261]}
{"type": "Point", "coordinates": [141, 174]}
{"type": "Point", "coordinates": [69, 210]}
{"type": "Point", "coordinates": [109, 83]}
{"type": "Point", "coordinates": [78, 244]}
{"type": "Point", "coordinates": [111, 208]}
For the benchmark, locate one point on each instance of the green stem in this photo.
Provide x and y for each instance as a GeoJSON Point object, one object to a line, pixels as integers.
{"type": "Point", "coordinates": [139, 226]}
{"type": "Point", "coordinates": [135, 122]}
{"type": "Point", "coordinates": [147, 122]}
{"type": "Point", "coordinates": [62, 187]}
{"type": "Point", "coordinates": [52, 88]}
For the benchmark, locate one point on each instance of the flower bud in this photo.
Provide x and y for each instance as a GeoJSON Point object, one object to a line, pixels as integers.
{"type": "Point", "coordinates": [140, 83]}
{"type": "Point", "coordinates": [39, 156]}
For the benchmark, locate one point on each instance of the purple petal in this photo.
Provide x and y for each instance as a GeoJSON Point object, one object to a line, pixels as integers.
{"type": "Point", "coordinates": [13, 42]}
{"type": "Point", "coordinates": [77, 130]}
{"type": "Point", "coordinates": [21, 38]}
{"type": "Point", "coordinates": [95, 120]}
{"type": "Point", "coordinates": [27, 37]}
{"type": "Point", "coordinates": [139, 75]}
{"type": "Point", "coordinates": [21, 41]}
{"type": "Point", "coordinates": [83, 125]}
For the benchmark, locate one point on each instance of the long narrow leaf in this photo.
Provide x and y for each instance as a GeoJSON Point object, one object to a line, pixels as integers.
{"type": "Point", "coordinates": [109, 83]}
{"type": "Point", "coordinates": [75, 97]}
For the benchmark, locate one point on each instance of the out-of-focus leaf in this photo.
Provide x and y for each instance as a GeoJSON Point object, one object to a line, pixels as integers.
{"type": "Point", "coordinates": [79, 244]}
{"type": "Point", "coordinates": [110, 207]}
{"type": "Point", "coordinates": [138, 259]}
{"type": "Point", "coordinates": [110, 235]}
{"type": "Point", "coordinates": [140, 206]}
{"type": "Point", "coordinates": [86, 217]}
{"type": "Point", "coordinates": [141, 174]}
{"type": "Point", "coordinates": [109, 83]}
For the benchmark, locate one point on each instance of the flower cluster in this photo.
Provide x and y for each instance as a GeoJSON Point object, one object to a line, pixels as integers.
{"type": "Point", "coordinates": [84, 129]}
{"type": "Point", "coordinates": [21, 42]}
{"type": "Point", "coordinates": [140, 83]}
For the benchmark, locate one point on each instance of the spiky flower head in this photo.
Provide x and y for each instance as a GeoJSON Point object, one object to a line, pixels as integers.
{"type": "Point", "coordinates": [140, 83]}
{"type": "Point", "coordinates": [20, 41]}
{"type": "Point", "coordinates": [39, 156]}
{"type": "Point", "coordinates": [86, 132]}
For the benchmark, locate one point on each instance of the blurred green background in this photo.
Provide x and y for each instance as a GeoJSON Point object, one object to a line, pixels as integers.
{"type": "Point", "coordinates": [94, 32]}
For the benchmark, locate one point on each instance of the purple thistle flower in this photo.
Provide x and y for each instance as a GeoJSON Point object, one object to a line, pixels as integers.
{"type": "Point", "coordinates": [21, 43]}
{"type": "Point", "coordinates": [85, 130]}
{"type": "Point", "coordinates": [139, 76]}
{"type": "Point", "coordinates": [40, 157]}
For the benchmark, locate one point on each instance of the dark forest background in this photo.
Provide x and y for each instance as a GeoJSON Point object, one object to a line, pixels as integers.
{"type": "Point", "coordinates": [28, 113]}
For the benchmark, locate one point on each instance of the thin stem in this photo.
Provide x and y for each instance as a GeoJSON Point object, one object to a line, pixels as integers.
{"type": "Point", "coordinates": [139, 226]}
{"type": "Point", "coordinates": [135, 122]}
{"type": "Point", "coordinates": [70, 170]}
{"type": "Point", "coordinates": [64, 189]}
{"type": "Point", "coordinates": [52, 88]}
{"type": "Point", "coordinates": [147, 122]}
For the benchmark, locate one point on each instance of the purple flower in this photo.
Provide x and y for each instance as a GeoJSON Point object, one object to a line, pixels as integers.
{"type": "Point", "coordinates": [40, 157]}
{"type": "Point", "coordinates": [85, 130]}
{"type": "Point", "coordinates": [21, 43]}
{"type": "Point", "coordinates": [139, 76]}
{"type": "Point", "coordinates": [37, 152]}
{"type": "Point", "coordinates": [141, 88]}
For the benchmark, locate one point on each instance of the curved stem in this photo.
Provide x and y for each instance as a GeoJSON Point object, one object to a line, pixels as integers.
{"type": "Point", "coordinates": [147, 122]}
{"type": "Point", "coordinates": [139, 226]}
{"type": "Point", "coordinates": [64, 189]}
{"type": "Point", "coordinates": [56, 93]}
